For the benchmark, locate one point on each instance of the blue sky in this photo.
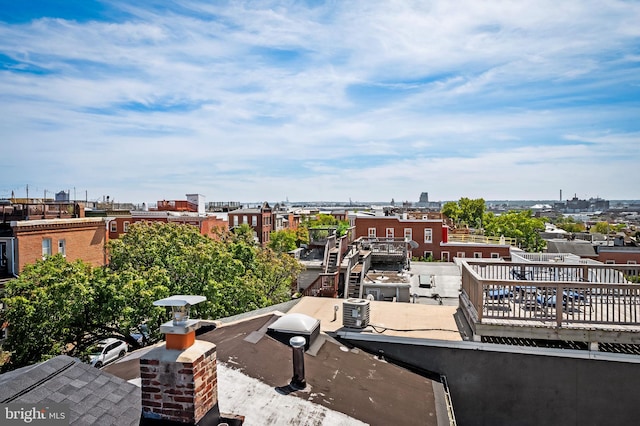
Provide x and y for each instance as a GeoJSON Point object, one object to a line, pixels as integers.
{"type": "Point", "coordinates": [368, 100]}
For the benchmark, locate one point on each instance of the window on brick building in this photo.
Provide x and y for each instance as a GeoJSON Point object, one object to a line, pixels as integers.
{"type": "Point", "coordinates": [477, 254]}
{"type": "Point", "coordinates": [428, 255]}
{"type": "Point", "coordinates": [245, 219]}
{"type": "Point", "coordinates": [408, 233]}
{"type": "Point", "coordinates": [125, 227]}
{"type": "Point", "coordinates": [235, 221]}
{"type": "Point", "coordinates": [113, 226]}
{"type": "Point", "coordinates": [495, 255]}
{"type": "Point", "coordinates": [445, 256]}
{"type": "Point", "coordinates": [46, 247]}
{"type": "Point", "coordinates": [390, 232]}
{"type": "Point", "coordinates": [62, 247]}
{"type": "Point", "coordinates": [460, 254]}
{"type": "Point", "coordinates": [254, 220]}
{"type": "Point", "coordinates": [372, 232]}
{"type": "Point", "coordinates": [428, 235]}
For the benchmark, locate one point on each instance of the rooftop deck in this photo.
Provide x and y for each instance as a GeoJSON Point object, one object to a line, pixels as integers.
{"type": "Point", "coordinates": [555, 301]}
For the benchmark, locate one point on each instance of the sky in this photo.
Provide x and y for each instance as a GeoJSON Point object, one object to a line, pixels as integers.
{"type": "Point", "coordinates": [320, 100]}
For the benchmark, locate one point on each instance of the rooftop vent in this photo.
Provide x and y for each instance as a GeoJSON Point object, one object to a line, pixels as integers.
{"type": "Point", "coordinates": [291, 325]}
{"type": "Point", "coordinates": [355, 313]}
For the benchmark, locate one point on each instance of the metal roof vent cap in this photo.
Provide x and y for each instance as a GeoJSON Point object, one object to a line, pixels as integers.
{"type": "Point", "coordinates": [180, 331]}
{"type": "Point", "coordinates": [180, 306]}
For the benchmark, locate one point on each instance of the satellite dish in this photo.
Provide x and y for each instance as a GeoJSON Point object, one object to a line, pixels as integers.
{"type": "Point", "coordinates": [413, 244]}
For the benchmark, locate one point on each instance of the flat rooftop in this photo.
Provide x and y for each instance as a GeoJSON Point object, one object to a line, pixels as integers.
{"type": "Point", "coordinates": [356, 387]}
{"type": "Point", "coordinates": [432, 283]}
{"type": "Point", "coordinates": [413, 320]}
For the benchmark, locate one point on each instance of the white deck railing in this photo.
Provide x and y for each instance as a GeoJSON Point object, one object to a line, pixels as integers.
{"type": "Point", "coordinates": [555, 293]}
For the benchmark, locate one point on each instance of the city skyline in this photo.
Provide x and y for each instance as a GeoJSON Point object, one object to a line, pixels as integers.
{"type": "Point", "coordinates": [321, 101]}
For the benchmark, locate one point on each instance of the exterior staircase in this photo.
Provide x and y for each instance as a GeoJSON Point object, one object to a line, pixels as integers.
{"type": "Point", "coordinates": [332, 262]}
{"type": "Point", "coordinates": [354, 281]}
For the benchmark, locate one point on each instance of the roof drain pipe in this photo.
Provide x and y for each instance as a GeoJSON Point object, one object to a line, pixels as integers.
{"type": "Point", "coordinates": [297, 344]}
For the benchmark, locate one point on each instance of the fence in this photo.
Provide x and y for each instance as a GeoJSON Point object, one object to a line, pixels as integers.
{"type": "Point", "coordinates": [562, 294]}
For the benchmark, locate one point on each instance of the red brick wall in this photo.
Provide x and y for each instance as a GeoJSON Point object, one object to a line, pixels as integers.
{"type": "Point", "coordinates": [264, 223]}
{"type": "Point", "coordinates": [209, 226]}
{"type": "Point", "coordinates": [86, 243]}
{"type": "Point", "coordinates": [622, 256]}
{"type": "Point", "coordinates": [470, 250]}
{"type": "Point", "coordinates": [121, 220]}
{"type": "Point", "coordinates": [177, 206]}
{"type": "Point", "coordinates": [179, 391]}
{"type": "Point", "coordinates": [294, 221]}
{"type": "Point", "coordinates": [266, 226]}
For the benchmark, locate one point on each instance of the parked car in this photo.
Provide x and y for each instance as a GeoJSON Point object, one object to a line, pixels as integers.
{"type": "Point", "coordinates": [143, 336]}
{"type": "Point", "coordinates": [106, 351]}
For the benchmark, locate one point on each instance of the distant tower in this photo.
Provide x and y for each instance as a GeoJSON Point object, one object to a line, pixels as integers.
{"type": "Point", "coordinates": [561, 195]}
{"type": "Point", "coordinates": [62, 196]}
{"type": "Point", "coordinates": [424, 197]}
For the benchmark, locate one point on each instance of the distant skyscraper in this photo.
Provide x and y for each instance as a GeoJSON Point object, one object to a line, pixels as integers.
{"type": "Point", "coordinates": [62, 196]}
{"type": "Point", "coordinates": [424, 197]}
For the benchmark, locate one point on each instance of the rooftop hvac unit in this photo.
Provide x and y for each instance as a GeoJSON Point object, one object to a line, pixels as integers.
{"type": "Point", "coordinates": [355, 313]}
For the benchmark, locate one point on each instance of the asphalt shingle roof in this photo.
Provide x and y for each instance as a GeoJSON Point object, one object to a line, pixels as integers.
{"type": "Point", "coordinates": [93, 396]}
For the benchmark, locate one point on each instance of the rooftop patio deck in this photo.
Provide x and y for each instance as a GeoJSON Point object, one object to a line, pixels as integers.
{"type": "Point", "coordinates": [549, 300]}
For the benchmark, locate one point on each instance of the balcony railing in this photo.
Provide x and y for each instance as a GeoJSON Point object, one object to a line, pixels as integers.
{"type": "Point", "coordinates": [481, 239]}
{"type": "Point", "coordinates": [560, 295]}
{"type": "Point", "coordinates": [326, 285]}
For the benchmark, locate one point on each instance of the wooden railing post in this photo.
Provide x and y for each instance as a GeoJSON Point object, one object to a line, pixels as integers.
{"type": "Point", "coordinates": [559, 304]}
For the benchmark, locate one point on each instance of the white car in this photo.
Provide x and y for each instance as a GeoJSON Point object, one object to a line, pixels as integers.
{"type": "Point", "coordinates": [107, 351]}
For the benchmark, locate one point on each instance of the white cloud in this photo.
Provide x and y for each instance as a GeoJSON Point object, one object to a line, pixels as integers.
{"type": "Point", "coordinates": [228, 97]}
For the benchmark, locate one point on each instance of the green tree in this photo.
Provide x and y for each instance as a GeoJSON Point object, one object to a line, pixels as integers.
{"type": "Point", "coordinates": [520, 225]}
{"type": "Point", "coordinates": [452, 210]}
{"type": "Point", "coordinates": [601, 228]}
{"type": "Point", "coordinates": [569, 224]}
{"type": "Point", "coordinates": [56, 307]}
{"type": "Point", "coordinates": [465, 211]}
{"type": "Point", "coordinates": [327, 221]}
{"type": "Point", "coordinates": [230, 272]}
{"type": "Point", "coordinates": [302, 236]}
{"type": "Point", "coordinates": [283, 241]}
{"type": "Point", "coordinates": [471, 210]}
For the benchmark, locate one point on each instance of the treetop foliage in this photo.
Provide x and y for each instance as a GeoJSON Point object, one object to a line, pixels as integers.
{"type": "Point", "coordinates": [327, 221]}
{"type": "Point", "coordinates": [520, 225]}
{"type": "Point", "coordinates": [59, 307]}
{"type": "Point", "coordinates": [465, 212]}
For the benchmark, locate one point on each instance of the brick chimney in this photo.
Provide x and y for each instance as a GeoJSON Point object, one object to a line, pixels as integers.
{"type": "Point", "coordinates": [179, 380]}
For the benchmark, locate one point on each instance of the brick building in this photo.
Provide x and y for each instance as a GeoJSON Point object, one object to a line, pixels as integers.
{"type": "Point", "coordinates": [259, 219]}
{"type": "Point", "coordinates": [209, 225]}
{"type": "Point", "coordinates": [449, 250]}
{"type": "Point", "coordinates": [430, 234]}
{"type": "Point", "coordinates": [427, 233]}
{"type": "Point", "coordinates": [77, 238]}
{"type": "Point", "coordinates": [618, 254]}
